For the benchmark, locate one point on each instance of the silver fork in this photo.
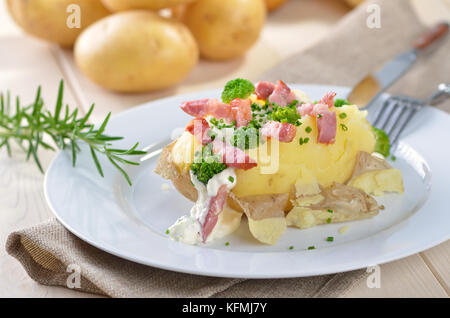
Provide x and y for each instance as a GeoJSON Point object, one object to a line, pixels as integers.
{"type": "Point", "coordinates": [397, 111]}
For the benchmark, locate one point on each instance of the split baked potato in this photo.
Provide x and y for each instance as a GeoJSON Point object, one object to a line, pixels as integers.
{"type": "Point", "coordinates": [325, 171]}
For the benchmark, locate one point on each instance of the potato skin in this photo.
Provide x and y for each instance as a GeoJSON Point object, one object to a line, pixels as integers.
{"type": "Point", "coordinates": [123, 5]}
{"type": "Point", "coordinates": [47, 19]}
{"type": "Point", "coordinates": [136, 51]}
{"type": "Point", "coordinates": [225, 29]}
{"type": "Point", "coordinates": [272, 5]}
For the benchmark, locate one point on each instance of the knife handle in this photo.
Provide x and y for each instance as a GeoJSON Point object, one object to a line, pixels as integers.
{"type": "Point", "coordinates": [431, 36]}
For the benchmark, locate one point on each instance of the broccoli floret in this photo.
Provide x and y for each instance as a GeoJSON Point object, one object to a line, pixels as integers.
{"type": "Point", "coordinates": [382, 145]}
{"type": "Point", "coordinates": [206, 165]}
{"type": "Point", "coordinates": [286, 114]}
{"type": "Point", "coordinates": [340, 102]}
{"type": "Point", "coordinates": [246, 137]}
{"type": "Point", "coordinates": [237, 88]}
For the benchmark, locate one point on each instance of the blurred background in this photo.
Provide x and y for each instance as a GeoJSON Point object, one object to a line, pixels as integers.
{"type": "Point", "coordinates": [120, 53]}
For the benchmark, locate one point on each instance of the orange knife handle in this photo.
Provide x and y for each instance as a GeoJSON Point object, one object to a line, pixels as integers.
{"type": "Point", "coordinates": [431, 36]}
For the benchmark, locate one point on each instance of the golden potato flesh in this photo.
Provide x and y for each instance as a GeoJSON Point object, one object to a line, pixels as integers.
{"type": "Point", "coordinates": [375, 175]}
{"type": "Point", "coordinates": [123, 5]}
{"type": "Point", "coordinates": [56, 20]}
{"type": "Point", "coordinates": [136, 51]}
{"type": "Point", "coordinates": [297, 163]}
{"type": "Point", "coordinates": [225, 29]}
{"type": "Point", "coordinates": [338, 203]}
{"type": "Point", "coordinates": [267, 231]}
{"type": "Point", "coordinates": [327, 163]}
{"type": "Point", "coordinates": [377, 182]}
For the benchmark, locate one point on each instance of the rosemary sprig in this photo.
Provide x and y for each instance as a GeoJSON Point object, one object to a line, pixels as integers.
{"type": "Point", "coordinates": [28, 125]}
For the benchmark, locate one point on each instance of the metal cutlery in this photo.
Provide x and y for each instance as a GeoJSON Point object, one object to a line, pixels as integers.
{"type": "Point", "coordinates": [367, 91]}
{"type": "Point", "coordinates": [397, 111]}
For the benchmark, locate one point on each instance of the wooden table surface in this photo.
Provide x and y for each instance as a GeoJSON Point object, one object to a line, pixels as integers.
{"type": "Point", "coordinates": [26, 62]}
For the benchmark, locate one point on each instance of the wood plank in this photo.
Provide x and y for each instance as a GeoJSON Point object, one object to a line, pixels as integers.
{"type": "Point", "coordinates": [438, 260]}
{"type": "Point", "coordinates": [7, 25]}
{"type": "Point", "coordinates": [408, 277]}
{"type": "Point", "coordinates": [22, 198]}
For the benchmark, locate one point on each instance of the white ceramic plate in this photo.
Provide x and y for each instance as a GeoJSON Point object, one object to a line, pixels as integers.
{"type": "Point", "coordinates": [130, 222]}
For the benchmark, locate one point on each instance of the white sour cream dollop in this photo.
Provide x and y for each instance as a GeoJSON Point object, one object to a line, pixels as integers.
{"type": "Point", "coordinates": [187, 229]}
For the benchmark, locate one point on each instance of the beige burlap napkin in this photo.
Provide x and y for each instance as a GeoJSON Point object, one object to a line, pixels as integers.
{"type": "Point", "coordinates": [350, 51]}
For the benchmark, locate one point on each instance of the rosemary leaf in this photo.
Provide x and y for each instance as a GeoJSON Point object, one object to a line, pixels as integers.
{"type": "Point", "coordinates": [97, 163]}
{"type": "Point", "coordinates": [30, 124]}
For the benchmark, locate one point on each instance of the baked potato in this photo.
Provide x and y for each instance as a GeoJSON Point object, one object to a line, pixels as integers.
{"type": "Point", "coordinates": [320, 153]}
{"type": "Point", "coordinates": [375, 176]}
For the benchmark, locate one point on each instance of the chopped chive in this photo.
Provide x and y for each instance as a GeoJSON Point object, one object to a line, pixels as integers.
{"type": "Point", "coordinates": [311, 247]}
{"type": "Point", "coordinates": [343, 127]}
{"type": "Point", "coordinates": [167, 231]}
{"type": "Point", "coordinates": [291, 247]}
{"type": "Point", "coordinates": [329, 220]}
{"type": "Point", "coordinates": [303, 141]}
{"type": "Point", "coordinates": [340, 102]}
{"type": "Point", "coordinates": [342, 115]}
{"type": "Point", "coordinates": [330, 239]}
{"type": "Point", "coordinates": [231, 179]}
{"type": "Point", "coordinates": [308, 129]}
{"type": "Point", "coordinates": [227, 243]}
{"type": "Point", "coordinates": [329, 210]}
{"type": "Point", "coordinates": [319, 116]}
{"type": "Point", "coordinates": [393, 158]}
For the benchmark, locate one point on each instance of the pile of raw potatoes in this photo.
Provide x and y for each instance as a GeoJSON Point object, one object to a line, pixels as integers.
{"type": "Point", "coordinates": [144, 45]}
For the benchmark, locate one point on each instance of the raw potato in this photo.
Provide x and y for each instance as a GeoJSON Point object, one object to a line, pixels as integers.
{"type": "Point", "coordinates": [123, 5]}
{"type": "Point", "coordinates": [354, 3]}
{"type": "Point", "coordinates": [274, 4]}
{"type": "Point", "coordinates": [47, 19]}
{"type": "Point", "coordinates": [225, 29]}
{"type": "Point", "coordinates": [136, 51]}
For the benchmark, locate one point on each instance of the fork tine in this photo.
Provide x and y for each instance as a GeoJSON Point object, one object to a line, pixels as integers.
{"type": "Point", "coordinates": [402, 111]}
{"type": "Point", "coordinates": [396, 135]}
{"type": "Point", "coordinates": [391, 119]}
{"type": "Point", "coordinates": [381, 111]}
